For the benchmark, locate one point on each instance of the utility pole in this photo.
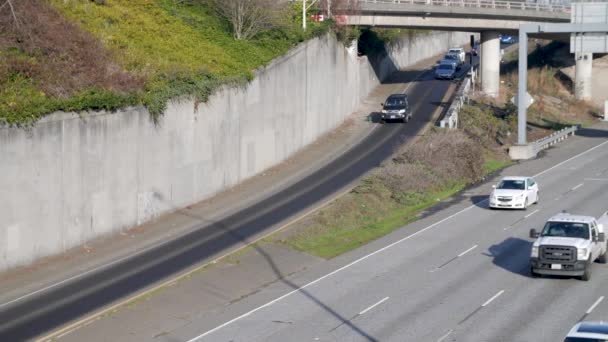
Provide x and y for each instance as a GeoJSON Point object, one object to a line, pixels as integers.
{"type": "Point", "coordinates": [304, 9]}
{"type": "Point", "coordinates": [304, 15]}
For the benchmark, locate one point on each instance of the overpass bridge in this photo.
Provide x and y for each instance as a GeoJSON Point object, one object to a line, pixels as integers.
{"type": "Point", "coordinates": [488, 17]}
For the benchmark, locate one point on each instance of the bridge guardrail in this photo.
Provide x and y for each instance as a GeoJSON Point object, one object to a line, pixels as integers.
{"type": "Point", "coordinates": [497, 4]}
{"type": "Point", "coordinates": [554, 138]}
{"type": "Point", "coordinates": [450, 120]}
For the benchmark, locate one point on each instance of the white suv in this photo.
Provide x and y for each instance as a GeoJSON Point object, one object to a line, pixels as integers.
{"type": "Point", "coordinates": [514, 192]}
{"type": "Point", "coordinates": [458, 51]}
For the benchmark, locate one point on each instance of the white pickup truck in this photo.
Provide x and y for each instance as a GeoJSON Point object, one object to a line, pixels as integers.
{"type": "Point", "coordinates": [568, 245]}
{"type": "Point", "coordinates": [459, 52]}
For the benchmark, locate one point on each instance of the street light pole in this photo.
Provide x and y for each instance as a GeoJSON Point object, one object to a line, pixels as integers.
{"type": "Point", "coordinates": [304, 9]}
{"type": "Point", "coordinates": [304, 15]}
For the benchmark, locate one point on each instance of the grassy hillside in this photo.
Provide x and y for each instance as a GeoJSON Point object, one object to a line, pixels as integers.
{"type": "Point", "coordinates": [78, 54]}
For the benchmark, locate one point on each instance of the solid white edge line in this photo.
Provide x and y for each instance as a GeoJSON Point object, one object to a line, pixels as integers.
{"type": "Point", "coordinates": [491, 299]}
{"type": "Point", "coordinates": [597, 302]}
{"type": "Point", "coordinates": [338, 270]}
{"type": "Point", "coordinates": [571, 158]}
{"type": "Point", "coordinates": [578, 186]}
{"type": "Point", "coordinates": [532, 213]}
{"type": "Point", "coordinates": [373, 306]}
{"type": "Point", "coordinates": [377, 251]}
{"type": "Point", "coordinates": [467, 251]}
{"type": "Point", "coordinates": [446, 335]}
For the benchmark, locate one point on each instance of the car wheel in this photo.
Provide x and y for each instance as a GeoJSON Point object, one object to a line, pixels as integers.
{"type": "Point", "coordinates": [526, 203]}
{"type": "Point", "coordinates": [587, 275]}
{"type": "Point", "coordinates": [603, 258]}
{"type": "Point", "coordinates": [537, 198]}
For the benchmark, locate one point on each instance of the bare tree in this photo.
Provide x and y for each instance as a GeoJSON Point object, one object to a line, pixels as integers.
{"type": "Point", "coordinates": [248, 17]}
{"type": "Point", "coordinates": [9, 4]}
{"type": "Point", "coordinates": [333, 8]}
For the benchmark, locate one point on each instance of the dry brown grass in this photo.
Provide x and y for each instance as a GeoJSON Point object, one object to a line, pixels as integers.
{"type": "Point", "coordinates": [42, 45]}
{"type": "Point", "coordinates": [435, 161]}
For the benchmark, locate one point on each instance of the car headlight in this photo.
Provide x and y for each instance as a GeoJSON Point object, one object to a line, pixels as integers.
{"type": "Point", "coordinates": [534, 252]}
{"type": "Point", "coordinates": [581, 254]}
{"type": "Point", "coordinates": [384, 111]}
{"type": "Point", "coordinates": [402, 111]}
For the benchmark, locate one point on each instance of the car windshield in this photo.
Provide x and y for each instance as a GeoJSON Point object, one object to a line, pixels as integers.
{"type": "Point", "coordinates": [395, 102]}
{"type": "Point", "coordinates": [566, 229]}
{"type": "Point", "coordinates": [454, 51]}
{"type": "Point", "coordinates": [446, 67]}
{"type": "Point", "coordinates": [511, 184]}
{"type": "Point", "coordinates": [584, 339]}
{"type": "Point", "coordinates": [450, 57]}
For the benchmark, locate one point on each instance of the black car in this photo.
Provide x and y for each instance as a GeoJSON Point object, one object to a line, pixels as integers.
{"type": "Point", "coordinates": [396, 107]}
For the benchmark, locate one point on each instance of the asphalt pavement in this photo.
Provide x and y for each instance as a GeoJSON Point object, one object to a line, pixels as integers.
{"type": "Point", "coordinates": [47, 310]}
{"type": "Point", "coordinates": [459, 275]}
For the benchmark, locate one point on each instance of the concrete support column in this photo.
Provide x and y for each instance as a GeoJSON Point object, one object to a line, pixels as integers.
{"type": "Point", "coordinates": [490, 63]}
{"type": "Point", "coordinates": [583, 74]}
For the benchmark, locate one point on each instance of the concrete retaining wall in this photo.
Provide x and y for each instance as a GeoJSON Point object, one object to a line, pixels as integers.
{"type": "Point", "coordinates": [75, 177]}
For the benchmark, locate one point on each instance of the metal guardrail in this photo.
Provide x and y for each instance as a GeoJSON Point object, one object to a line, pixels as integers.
{"type": "Point", "coordinates": [494, 4]}
{"type": "Point", "coordinates": [554, 138]}
{"type": "Point", "coordinates": [450, 120]}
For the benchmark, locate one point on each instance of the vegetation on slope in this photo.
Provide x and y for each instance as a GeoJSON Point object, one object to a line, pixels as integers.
{"type": "Point", "coordinates": [79, 54]}
{"type": "Point", "coordinates": [554, 107]}
{"type": "Point", "coordinates": [420, 175]}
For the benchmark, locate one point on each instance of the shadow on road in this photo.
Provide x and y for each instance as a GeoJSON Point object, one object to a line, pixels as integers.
{"type": "Point", "coordinates": [481, 201]}
{"type": "Point", "coordinates": [592, 133]}
{"type": "Point", "coordinates": [512, 254]}
{"type": "Point", "coordinates": [283, 278]}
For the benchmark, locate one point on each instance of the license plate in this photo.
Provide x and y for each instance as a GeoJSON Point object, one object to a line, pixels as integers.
{"type": "Point", "coordinates": [392, 116]}
{"type": "Point", "coordinates": [556, 266]}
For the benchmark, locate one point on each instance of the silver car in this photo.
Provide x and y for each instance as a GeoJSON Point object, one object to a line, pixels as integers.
{"type": "Point", "coordinates": [451, 59]}
{"type": "Point", "coordinates": [445, 71]}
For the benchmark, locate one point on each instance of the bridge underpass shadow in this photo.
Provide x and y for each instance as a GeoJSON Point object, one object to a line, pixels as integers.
{"type": "Point", "coordinates": [387, 72]}
{"type": "Point", "coordinates": [512, 255]}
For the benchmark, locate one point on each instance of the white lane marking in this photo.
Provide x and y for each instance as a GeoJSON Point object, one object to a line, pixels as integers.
{"type": "Point", "coordinates": [373, 306]}
{"type": "Point", "coordinates": [597, 302]}
{"type": "Point", "coordinates": [532, 213]}
{"type": "Point", "coordinates": [578, 186]}
{"type": "Point", "coordinates": [445, 336]}
{"type": "Point", "coordinates": [597, 179]}
{"type": "Point", "coordinates": [77, 324]}
{"type": "Point", "coordinates": [571, 158]}
{"type": "Point", "coordinates": [338, 270]}
{"type": "Point", "coordinates": [467, 251]}
{"type": "Point", "coordinates": [491, 299]}
{"type": "Point", "coordinates": [377, 251]}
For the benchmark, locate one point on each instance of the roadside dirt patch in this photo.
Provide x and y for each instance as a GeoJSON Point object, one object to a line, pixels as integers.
{"type": "Point", "coordinates": [64, 59]}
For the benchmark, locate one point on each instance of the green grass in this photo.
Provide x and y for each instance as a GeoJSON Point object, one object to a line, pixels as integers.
{"type": "Point", "coordinates": [177, 48]}
{"type": "Point", "coordinates": [335, 240]}
{"type": "Point", "coordinates": [492, 165]}
{"type": "Point", "coordinates": [22, 103]}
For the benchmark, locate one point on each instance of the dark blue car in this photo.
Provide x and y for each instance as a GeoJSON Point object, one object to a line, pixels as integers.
{"type": "Point", "coordinates": [507, 39]}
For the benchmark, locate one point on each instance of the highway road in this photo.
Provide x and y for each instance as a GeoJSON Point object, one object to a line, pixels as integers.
{"type": "Point", "coordinates": [57, 306]}
{"type": "Point", "coordinates": [464, 277]}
